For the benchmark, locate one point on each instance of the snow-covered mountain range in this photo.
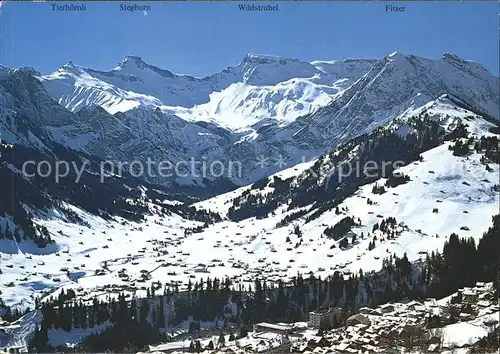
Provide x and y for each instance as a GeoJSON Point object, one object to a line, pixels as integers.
{"type": "Point", "coordinates": [281, 109]}
{"type": "Point", "coordinates": [259, 87]}
{"type": "Point", "coordinates": [262, 86]}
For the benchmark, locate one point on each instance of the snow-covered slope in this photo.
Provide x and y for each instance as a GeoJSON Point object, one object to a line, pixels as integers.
{"type": "Point", "coordinates": [396, 84]}
{"type": "Point", "coordinates": [445, 194]}
{"type": "Point", "coordinates": [75, 88]}
{"type": "Point", "coordinates": [445, 112]}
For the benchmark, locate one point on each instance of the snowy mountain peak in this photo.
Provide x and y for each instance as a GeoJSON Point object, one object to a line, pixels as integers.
{"type": "Point", "coordinates": [28, 70]}
{"type": "Point", "coordinates": [455, 60]}
{"type": "Point", "coordinates": [259, 69]}
{"type": "Point", "coordinates": [266, 59]}
{"type": "Point", "coordinates": [453, 57]}
{"type": "Point", "coordinates": [70, 68]}
{"type": "Point", "coordinates": [134, 65]}
{"type": "Point", "coordinates": [465, 65]}
{"type": "Point", "coordinates": [131, 60]}
{"type": "Point", "coordinates": [395, 54]}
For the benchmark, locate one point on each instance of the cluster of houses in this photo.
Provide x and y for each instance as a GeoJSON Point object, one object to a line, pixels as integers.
{"type": "Point", "coordinates": [266, 338]}
{"type": "Point", "coordinates": [430, 325]}
{"type": "Point", "coordinates": [262, 342]}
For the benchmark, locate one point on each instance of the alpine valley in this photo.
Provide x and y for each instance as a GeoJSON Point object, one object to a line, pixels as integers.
{"type": "Point", "coordinates": [357, 183]}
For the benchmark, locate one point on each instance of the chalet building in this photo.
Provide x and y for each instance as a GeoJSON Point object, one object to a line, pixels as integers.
{"type": "Point", "coordinates": [279, 345]}
{"type": "Point", "coordinates": [281, 348]}
{"type": "Point", "coordinates": [416, 306]}
{"type": "Point", "coordinates": [386, 308]}
{"type": "Point", "coordinates": [316, 342]}
{"type": "Point", "coordinates": [468, 295]}
{"type": "Point", "coordinates": [358, 319]}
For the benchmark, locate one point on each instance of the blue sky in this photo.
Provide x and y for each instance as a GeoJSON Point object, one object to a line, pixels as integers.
{"type": "Point", "coordinates": [202, 38]}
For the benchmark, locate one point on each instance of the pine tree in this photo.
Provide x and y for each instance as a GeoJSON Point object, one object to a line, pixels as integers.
{"type": "Point", "coordinates": [243, 332]}
{"type": "Point", "coordinates": [281, 301]}
{"type": "Point", "coordinates": [161, 314]}
{"type": "Point", "coordinates": [143, 312]}
{"type": "Point", "coordinates": [222, 341]}
{"type": "Point", "coordinates": [8, 234]}
{"type": "Point", "coordinates": [210, 345]}
{"type": "Point", "coordinates": [17, 237]}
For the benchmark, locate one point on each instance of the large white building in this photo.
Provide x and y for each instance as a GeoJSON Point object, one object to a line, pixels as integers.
{"type": "Point", "coordinates": [325, 317]}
